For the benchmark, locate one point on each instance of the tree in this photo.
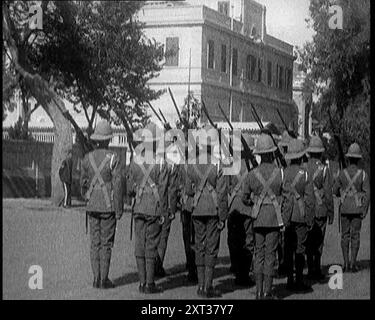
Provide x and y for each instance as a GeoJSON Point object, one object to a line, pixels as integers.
{"type": "Point", "coordinates": [337, 63]}
{"type": "Point", "coordinates": [190, 115]}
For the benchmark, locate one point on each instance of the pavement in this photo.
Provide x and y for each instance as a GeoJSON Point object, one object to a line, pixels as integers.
{"type": "Point", "coordinates": [36, 233]}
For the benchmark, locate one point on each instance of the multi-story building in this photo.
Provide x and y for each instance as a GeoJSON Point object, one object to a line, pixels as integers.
{"type": "Point", "coordinates": [222, 51]}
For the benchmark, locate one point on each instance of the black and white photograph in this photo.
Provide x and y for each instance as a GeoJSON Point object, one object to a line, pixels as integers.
{"type": "Point", "coordinates": [206, 150]}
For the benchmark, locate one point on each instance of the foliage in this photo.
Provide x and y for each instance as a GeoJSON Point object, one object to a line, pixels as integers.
{"type": "Point", "coordinates": [190, 116]}
{"type": "Point", "coordinates": [337, 66]}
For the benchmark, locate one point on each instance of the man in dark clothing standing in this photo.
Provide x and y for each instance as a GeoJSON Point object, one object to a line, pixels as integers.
{"type": "Point", "coordinates": [65, 173]}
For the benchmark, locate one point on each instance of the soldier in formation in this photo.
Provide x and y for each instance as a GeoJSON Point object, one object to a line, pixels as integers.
{"type": "Point", "coordinates": [262, 191]}
{"type": "Point", "coordinates": [298, 214]}
{"type": "Point", "coordinates": [320, 178]}
{"type": "Point", "coordinates": [240, 224]}
{"type": "Point", "coordinates": [152, 197]}
{"type": "Point", "coordinates": [208, 188]}
{"type": "Point", "coordinates": [102, 187]}
{"type": "Point", "coordinates": [353, 189]}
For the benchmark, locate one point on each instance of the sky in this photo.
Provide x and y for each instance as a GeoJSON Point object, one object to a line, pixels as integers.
{"type": "Point", "coordinates": [285, 19]}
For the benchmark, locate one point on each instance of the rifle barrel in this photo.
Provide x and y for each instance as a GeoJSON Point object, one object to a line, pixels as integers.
{"type": "Point", "coordinates": [225, 116]}
{"type": "Point", "coordinates": [175, 104]}
{"type": "Point", "coordinates": [154, 111]}
{"type": "Point", "coordinates": [207, 115]}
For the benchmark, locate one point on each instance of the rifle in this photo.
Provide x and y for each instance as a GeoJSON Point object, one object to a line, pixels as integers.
{"type": "Point", "coordinates": [338, 142]}
{"type": "Point", "coordinates": [167, 126]}
{"type": "Point", "coordinates": [175, 104]}
{"type": "Point", "coordinates": [278, 154]}
{"type": "Point", "coordinates": [154, 111]}
{"type": "Point", "coordinates": [247, 150]}
{"type": "Point", "coordinates": [132, 219]}
{"type": "Point", "coordinates": [291, 133]}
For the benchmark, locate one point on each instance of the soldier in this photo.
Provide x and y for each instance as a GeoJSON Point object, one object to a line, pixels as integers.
{"type": "Point", "coordinates": [208, 188]}
{"type": "Point", "coordinates": [240, 224]}
{"type": "Point", "coordinates": [65, 173]}
{"type": "Point", "coordinates": [148, 185]}
{"type": "Point", "coordinates": [262, 190]}
{"type": "Point", "coordinates": [298, 214]}
{"type": "Point", "coordinates": [284, 142]}
{"type": "Point", "coordinates": [353, 188]}
{"type": "Point", "coordinates": [166, 227]}
{"type": "Point", "coordinates": [320, 178]}
{"type": "Point", "coordinates": [101, 186]}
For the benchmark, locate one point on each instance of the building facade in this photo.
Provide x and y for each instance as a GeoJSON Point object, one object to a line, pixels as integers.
{"type": "Point", "coordinates": [222, 51]}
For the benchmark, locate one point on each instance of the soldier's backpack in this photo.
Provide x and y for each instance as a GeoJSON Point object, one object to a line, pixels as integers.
{"type": "Point", "coordinates": [319, 192]}
{"type": "Point", "coordinates": [236, 189]}
{"type": "Point", "coordinates": [296, 196]}
{"type": "Point", "coordinates": [267, 196]}
{"type": "Point", "coordinates": [204, 183]}
{"type": "Point", "coordinates": [350, 191]}
{"type": "Point", "coordinates": [147, 182]}
{"type": "Point", "coordinates": [97, 181]}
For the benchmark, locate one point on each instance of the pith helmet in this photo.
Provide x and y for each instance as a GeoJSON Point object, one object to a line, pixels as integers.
{"type": "Point", "coordinates": [264, 144]}
{"type": "Point", "coordinates": [249, 140]}
{"type": "Point", "coordinates": [315, 145]}
{"type": "Point", "coordinates": [296, 149]}
{"type": "Point", "coordinates": [285, 139]}
{"type": "Point", "coordinates": [354, 151]}
{"type": "Point", "coordinates": [103, 131]}
{"type": "Point", "coordinates": [156, 133]}
{"type": "Point", "coordinates": [213, 135]}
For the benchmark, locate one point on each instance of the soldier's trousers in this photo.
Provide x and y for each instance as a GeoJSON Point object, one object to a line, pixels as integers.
{"type": "Point", "coordinates": [240, 243]}
{"type": "Point", "coordinates": [207, 240]}
{"type": "Point", "coordinates": [188, 238]}
{"type": "Point", "coordinates": [164, 235]}
{"type": "Point", "coordinates": [102, 236]}
{"type": "Point", "coordinates": [266, 241]}
{"type": "Point", "coordinates": [350, 235]}
{"type": "Point", "coordinates": [315, 242]}
{"type": "Point", "coordinates": [295, 243]}
{"type": "Point", "coordinates": [147, 231]}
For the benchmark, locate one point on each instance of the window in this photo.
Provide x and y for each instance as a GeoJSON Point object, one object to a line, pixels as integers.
{"type": "Point", "coordinates": [171, 51]}
{"type": "Point", "coordinates": [250, 67]}
{"type": "Point", "coordinates": [281, 75]}
{"type": "Point", "coordinates": [234, 62]}
{"type": "Point", "coordinates": [289, 80]}
{"type": "Point", "coordinates": [210, 54]}
{"type": "Point", "coordinates": [269, 73]}
{"type": "Point", "coordinates": [223, 7]}
{"type": "Point", "coordinates": [260, 66]}
{"type": "Point", "coordinates": [223, 58]}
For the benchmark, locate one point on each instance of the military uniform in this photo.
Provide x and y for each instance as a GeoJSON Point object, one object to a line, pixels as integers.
{"type": "Point", "coordinates": [353, 189]}
{"type": "Point", "coordinates": [298, 215]}
{"type": "Point", "coordinates": [240, 224]}
{"type": "Point", "coordinates": [101, 186]}
{"type": "Point", "coordinates": [208, 188]}
{"type": "Point", "coordinates": [321, 180]}
{"type": "Point", "coordinates": [148, 184]}
{"type": "Point", "coordinates": [262, 189]}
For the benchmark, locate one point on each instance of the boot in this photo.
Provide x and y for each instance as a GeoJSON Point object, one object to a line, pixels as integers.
{"type": "Point", "coordinates": [151, 287]}
{"type": "Point", "coordinates": [192, 276]}
{"type": "Point", "coordinates": [141, 266]}
{"type": "Point", "coordinates": [200, 275]}
{"type": "Point", "coordinates": [259, 286]}
{"type": "Point", "coordinates": [268, 295]}
{"type": "Point", "coordinates": [209, 290]}
{"type": "Point", "coordinates": [105, 262]}
{"type": "Point", "coordinates": [300, 286]}
{"type": "Point", "coordinates": [345, 254]}
{"type": "Point", "coordinates": [354, 253]}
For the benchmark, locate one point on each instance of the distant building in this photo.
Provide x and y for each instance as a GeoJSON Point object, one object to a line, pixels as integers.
{"type": "Point", "coordinates": [303, 101]}
{"type": "Point", "coordinates": [233, 61]}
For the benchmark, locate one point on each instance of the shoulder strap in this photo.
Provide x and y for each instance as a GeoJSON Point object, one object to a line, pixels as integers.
{"type": "Point", "coordinates": [146, 179]}
{"type": "Point", "coordinates": [237, 188]}
{"type": "Point", "coordinates": [202, 184]}
{"type": "Point", "coordinates": [98, 178]}
{"type": "Point", "coordinates": [297, 196]}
